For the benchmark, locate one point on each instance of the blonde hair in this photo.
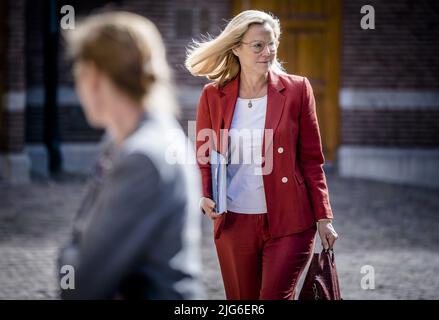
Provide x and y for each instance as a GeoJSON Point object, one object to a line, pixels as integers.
{"type": "Point", "coordinates": [129, 49]}
{"type": "Point", "coordinates": [214, 58]}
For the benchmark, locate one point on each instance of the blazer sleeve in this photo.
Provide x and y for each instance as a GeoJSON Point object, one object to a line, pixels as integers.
{"type": "Point", "coordinates": [310, 155]}
{"type": "Point", "coordinates": [204, 141]}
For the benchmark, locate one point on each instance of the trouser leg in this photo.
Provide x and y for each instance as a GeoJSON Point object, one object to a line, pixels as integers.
{"type": "Point", "coordinates": [239, 255]}
{"type": "Point", "coordinates": [283, 261]}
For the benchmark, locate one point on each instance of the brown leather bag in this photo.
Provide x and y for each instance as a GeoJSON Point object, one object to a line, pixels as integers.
{"type": "Point", "coordinates": [321, 281]}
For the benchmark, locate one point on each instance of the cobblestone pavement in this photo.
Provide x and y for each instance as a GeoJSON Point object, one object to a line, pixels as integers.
{"type": "Point", "coordinates": [392, 228]}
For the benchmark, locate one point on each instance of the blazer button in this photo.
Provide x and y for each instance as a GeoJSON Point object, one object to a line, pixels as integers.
{"type": "Point", "coordinates": [280, 150]}
{"type": "Point", "coordinates": [284, 179]}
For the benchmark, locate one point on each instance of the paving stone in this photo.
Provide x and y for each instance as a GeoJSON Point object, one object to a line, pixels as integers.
{"type": "Point", "coordinates": [392, 228]}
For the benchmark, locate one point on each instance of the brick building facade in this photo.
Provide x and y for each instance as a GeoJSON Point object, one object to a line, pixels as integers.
{"type": "Point", "coordinates": [388, 90]}
{"type": "Point", "coordinates": [389, 95]}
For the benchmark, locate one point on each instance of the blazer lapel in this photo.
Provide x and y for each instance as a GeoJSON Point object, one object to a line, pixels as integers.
{"type": "Point", "coordinates": [229, 95]}
{"type": "Point", "coordinates": [275, 105]}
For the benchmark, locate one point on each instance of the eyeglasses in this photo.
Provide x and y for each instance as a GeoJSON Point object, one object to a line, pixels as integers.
{"type": "Point", "coordinates": [259, 46]}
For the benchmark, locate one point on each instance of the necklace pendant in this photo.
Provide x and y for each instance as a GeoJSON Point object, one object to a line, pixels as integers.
{"type": "Point", "coordinates": [250, 104]}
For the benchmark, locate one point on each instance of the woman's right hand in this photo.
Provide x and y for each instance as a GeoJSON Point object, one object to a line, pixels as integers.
{"type": "Point", "coordinates": [207, 205]}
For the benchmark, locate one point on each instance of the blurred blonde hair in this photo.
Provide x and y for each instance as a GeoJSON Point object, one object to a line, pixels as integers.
{"type": "Point", "coordinates": [129, 49]}
{"type": "Point", "coordinates": [214, 58]}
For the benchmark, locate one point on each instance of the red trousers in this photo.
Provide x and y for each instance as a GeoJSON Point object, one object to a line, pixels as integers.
{"type": "Point", "coordinates": [255, 266]}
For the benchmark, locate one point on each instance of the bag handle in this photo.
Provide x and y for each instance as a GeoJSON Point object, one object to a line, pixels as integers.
{"type": "Point", "coordinates": [329, 251]}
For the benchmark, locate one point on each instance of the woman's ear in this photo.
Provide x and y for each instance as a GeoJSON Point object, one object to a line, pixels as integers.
{"type": "Point", "coordinates": [95, 77]}
{"type": "Point", "coordinates": [235, 51]}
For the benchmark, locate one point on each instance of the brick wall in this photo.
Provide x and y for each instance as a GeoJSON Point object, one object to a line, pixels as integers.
{"type": "Point", "coordinates": [403, 50]}
{"type": "Point", "coordinates": [3, 48]}
{"type": "Point", "coordinates": [402, 53]}
{"type": "Point", "coordinates": [72, 124]}
{"type": "Point", "coordinates": [15, 57]}
{"type": "Point", "coordinates": [178, 22]}
{"type": "Point", "coordinates": [12, 75]}
{"type": "Point", "coordinates": [408, 128]}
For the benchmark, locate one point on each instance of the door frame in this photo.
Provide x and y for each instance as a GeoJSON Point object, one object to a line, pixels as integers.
{"type": "Point", "coordinates": [331, 132]}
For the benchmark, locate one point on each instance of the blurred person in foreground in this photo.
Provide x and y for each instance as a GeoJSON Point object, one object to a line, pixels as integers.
{"type": "Point", "coordinates": [137, 233]}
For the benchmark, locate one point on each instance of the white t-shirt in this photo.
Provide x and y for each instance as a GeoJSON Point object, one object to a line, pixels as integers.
{"type": "Point", "coordinates": [245, 187]}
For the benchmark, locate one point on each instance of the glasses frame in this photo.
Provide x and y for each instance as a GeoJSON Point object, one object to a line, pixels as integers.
{"type": "Point", "coordinates": [263, 48]}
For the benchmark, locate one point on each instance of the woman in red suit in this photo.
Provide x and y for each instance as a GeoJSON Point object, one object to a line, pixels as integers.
{"type": "Point", "coordinates": [277, 196]}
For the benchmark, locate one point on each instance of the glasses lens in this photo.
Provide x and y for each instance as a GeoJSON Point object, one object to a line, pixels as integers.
{"type": "Point", "coordinates": [272, 46]}
{"type": "Point", "coordinates": [258, 47]}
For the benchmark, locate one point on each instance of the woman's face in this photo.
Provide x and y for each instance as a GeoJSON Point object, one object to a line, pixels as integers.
{"type": "Point", "coordinates": [257, 50]}
{"type": "Point", "coordinates": [87, 86]}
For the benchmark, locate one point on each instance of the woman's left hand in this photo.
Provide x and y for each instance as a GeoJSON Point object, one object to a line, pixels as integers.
{"type": "Point", "coordinates": [327, 233]}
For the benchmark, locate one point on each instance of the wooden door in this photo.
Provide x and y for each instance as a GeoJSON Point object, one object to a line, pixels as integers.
{"type": "Point", "coordinates": [310, 46]}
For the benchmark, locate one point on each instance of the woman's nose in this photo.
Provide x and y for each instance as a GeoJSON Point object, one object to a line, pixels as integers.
{"type": "Point", "coordinates": [266, 52]}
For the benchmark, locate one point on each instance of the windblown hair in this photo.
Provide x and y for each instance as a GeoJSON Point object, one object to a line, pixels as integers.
{"type": "Point", "coordinates": [214, 58]}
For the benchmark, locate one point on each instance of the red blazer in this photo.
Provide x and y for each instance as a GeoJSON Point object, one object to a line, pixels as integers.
{"type": "Point", "coordinates": [296, 191]}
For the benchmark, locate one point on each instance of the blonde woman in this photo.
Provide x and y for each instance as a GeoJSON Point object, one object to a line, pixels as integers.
{"type": "Point", "coordinates": [274, 206]}
{"type": "Point", "coordinates": [137, 232]}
